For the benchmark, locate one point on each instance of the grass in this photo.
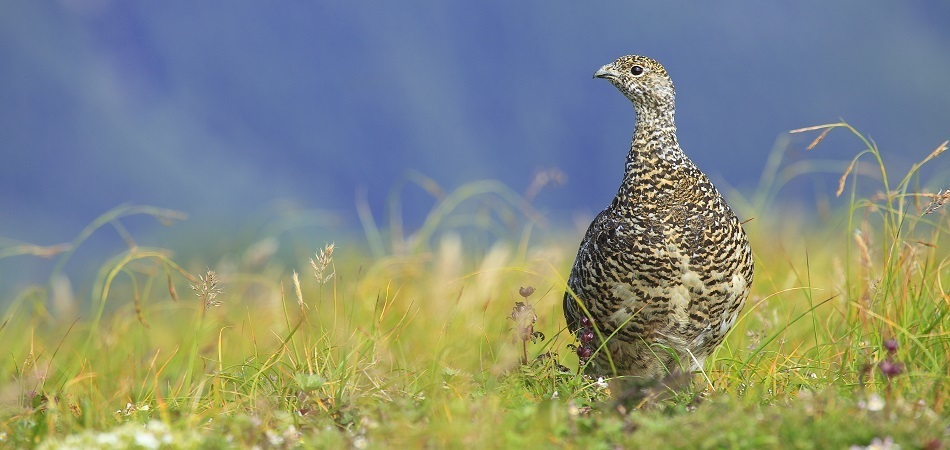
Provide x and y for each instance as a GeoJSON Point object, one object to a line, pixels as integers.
{"type": "Point", "coordinates": [420, 341]}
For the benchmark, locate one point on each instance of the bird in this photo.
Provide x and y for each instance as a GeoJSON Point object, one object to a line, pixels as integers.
{"type": "Point", "coordinates": [662, 273]}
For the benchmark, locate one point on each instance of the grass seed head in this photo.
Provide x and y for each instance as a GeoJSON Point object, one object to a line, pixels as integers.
{"type": "Point", "coordinates": [207, 289]}
{"type": "Point", "coordinates": [939, 199]}
{"type": "Point", "coordinates": [322, 262]}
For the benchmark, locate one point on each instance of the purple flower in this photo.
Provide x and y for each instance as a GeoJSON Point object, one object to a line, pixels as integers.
{"type": "Point", "coordinates": [586, 336]}
{"type": "Point", "coordinates": [890, 368]}
{"type": "Point", "coordinates": [891, 345]}
{"type": "Point", "coordinates": [584, 352]}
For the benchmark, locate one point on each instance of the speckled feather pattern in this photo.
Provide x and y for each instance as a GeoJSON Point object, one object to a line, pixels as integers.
{"type": "Point", "coordinates": [667, 267]}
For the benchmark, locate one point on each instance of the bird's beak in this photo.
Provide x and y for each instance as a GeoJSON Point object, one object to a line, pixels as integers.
{"type": "Point", "coordinates": [605, 72]}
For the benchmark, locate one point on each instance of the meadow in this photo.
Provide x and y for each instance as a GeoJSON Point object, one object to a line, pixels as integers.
{"type": "Point", "coordinates": [452, 335]}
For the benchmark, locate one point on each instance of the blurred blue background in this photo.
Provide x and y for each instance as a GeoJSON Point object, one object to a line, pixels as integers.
{"type": "Point", "coordinates": [226, 109]}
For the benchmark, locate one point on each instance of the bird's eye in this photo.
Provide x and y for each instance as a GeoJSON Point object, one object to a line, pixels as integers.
{"type": "Point", "coordinates": [636, 71]}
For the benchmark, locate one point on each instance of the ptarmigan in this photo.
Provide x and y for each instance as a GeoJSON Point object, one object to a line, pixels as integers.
{"type": "Point", "coordinates": [662, 272]}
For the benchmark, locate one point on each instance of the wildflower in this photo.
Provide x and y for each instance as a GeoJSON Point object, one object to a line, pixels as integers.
{"type": "Point", "coordinates": [890, 368]}
{"type": "Point", "coordinates": [572, 409]}
{"type": "Point", "coordinates": [873, 403]}
{"type": "Point", "coordinates": [891, 345]}
{"type": "Point", "coordinates": [879, 444]}
{"type": "Point", "coordinates": [292, 434]}
{"type": "Point", "coordinates": [585, 334]}
{"type": "Point", "coordinates": [108, 439]}
{"type": "Point", "coordinates": [584, 353]}
{"type": "Point", "coordinates": [524, 317]}
{"type": "Point", "coordinates": [587, 337]}
{"type": "Point", "coordinates": [146, 440]}
{"type": "Point", "coordinates": [273, 438]}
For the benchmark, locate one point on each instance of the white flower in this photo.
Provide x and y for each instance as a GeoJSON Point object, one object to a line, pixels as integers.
{"type": "Point", "coordinates": [273, 438]}
{"type": "Point", "coordinates": [875, 402]}
{"type": "Point", "coordinates": [146, 440]}
{"type": "Point", "coordinates": [109, 439]}
{"type": "Point", "coordinates": [572, 409]}
{"type": "Point", "coordinates": [879, 444]}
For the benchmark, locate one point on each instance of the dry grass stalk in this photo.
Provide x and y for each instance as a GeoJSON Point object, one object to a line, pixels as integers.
{"type": "Point", "coordinates": [819, 127]}
{"type": "Point", "coordinates": [171, 286]}
{"type": "Point", "coordinates": [863, 248]}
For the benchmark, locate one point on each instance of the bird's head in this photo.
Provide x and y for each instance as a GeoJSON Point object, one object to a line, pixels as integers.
{"type": "Point", "coordinates": [641, 79]}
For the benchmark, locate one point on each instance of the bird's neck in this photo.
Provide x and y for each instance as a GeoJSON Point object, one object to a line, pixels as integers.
{"type": "Point", "coordinates": [654, 158]}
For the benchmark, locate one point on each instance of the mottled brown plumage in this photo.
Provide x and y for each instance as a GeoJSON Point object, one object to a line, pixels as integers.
{"type": "Point", "coordinates": [666, 267]}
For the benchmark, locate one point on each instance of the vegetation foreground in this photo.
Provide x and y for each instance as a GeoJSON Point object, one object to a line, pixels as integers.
{"type": "Point", "coordinates": [425, 342]}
